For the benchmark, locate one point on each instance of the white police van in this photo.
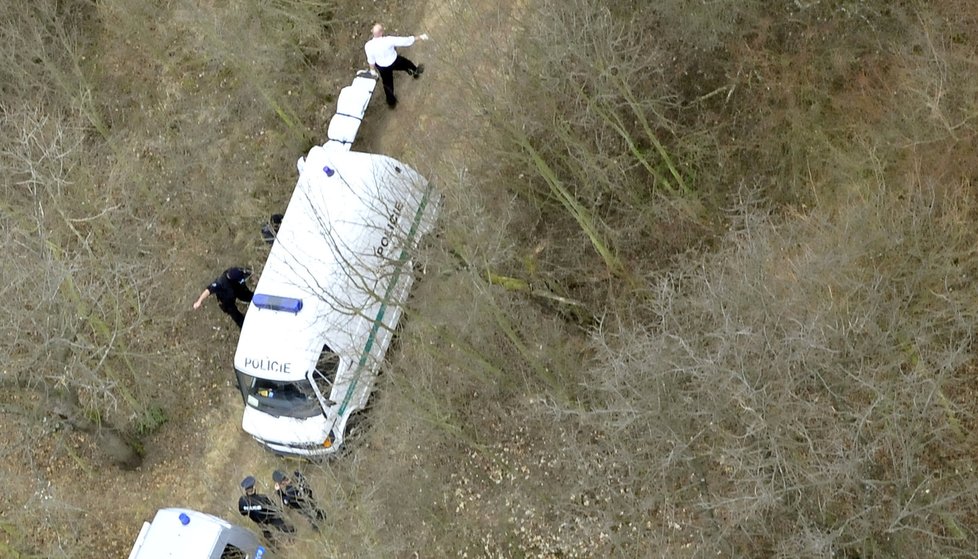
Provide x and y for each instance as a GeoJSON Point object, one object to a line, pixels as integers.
{"type": "Point", "coordinates": [329, 298]}
{"type": "Point", "coordinates": [186, 534]}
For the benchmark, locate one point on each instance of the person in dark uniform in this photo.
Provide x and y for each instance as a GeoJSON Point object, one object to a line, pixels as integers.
{"type": "Point", "coordinates": [230, 287]}
{"type": "Point", "coordinates": [260, 510]}
{"type": "Point", "coordinates": [296, 494]}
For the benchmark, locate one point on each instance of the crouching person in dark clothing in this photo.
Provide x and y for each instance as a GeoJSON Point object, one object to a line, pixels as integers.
{"type": "Point", "coordinates": [296, 494]}
{"type": "Point", "coordinates": [260, 510]}
{"type": "Point", "coordinates": [229, 288]}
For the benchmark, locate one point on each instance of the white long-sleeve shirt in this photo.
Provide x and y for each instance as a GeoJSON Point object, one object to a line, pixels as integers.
{"type": "Point", "coordinates": [381, 50]}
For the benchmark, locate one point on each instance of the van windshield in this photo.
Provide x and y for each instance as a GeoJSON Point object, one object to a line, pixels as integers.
{"type": "Point", "coordinates": [281, 399]}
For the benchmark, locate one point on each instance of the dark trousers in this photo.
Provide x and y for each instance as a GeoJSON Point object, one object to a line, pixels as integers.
{"type": "Point", "coordinates": [283, 528]}
{"type": "Point", "coordinates": [230, 306]}
{"type": "Point", "coordinates": [312, 512]}
{"type": "Point", "coordinates": [387, 76]}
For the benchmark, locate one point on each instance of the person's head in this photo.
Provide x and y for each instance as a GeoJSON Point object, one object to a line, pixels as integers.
{"type": "Point", "coordinates": [279, 477]}
{"type": "Point", "coordinates": [248, 484]}
{"type": "Point", "coordinates": [237, 275]}
{"type": "Point", "coordinates": [377, 30]}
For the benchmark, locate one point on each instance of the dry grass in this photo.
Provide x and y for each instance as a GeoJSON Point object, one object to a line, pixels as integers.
{"type": "Point", "coordinates": [703, 281]}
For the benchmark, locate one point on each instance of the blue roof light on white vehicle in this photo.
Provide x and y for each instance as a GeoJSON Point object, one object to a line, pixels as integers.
{"type": "Point", "coordinates": [276, 303]}
{"type": "Point", "coordinates": [328, 170]}
{"type": "Point", "coordinates": [184, 519]}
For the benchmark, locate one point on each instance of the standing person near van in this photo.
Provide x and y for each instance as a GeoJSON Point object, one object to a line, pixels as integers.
{"type": "Point", "coordinates": [230, 287]}
{"type": "Point", "coordinates": [383, 59]}
{"type": "Point", "coordinates": [297, 495]}
{"type": "Point", "coordinates": [260, 510]}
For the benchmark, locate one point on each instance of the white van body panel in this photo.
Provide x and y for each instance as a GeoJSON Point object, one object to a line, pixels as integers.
{"type": "Point", "coordinates": [202, 537]}
{"type": "Point", "coordinates": [344, 250]}
{"type": "Point", "coordinates": [302, 432]}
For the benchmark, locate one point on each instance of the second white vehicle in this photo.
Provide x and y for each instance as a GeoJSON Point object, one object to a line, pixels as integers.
{"type": "Point", "coordinates": [187, 534]}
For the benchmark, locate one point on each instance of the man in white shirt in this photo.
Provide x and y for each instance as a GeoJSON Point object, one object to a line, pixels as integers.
{"type": "Point", "coordinates": [383, 59]}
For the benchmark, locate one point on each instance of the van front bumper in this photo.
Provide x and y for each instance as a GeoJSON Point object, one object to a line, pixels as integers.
{"type": "Point", "coordinates": [304, 450]}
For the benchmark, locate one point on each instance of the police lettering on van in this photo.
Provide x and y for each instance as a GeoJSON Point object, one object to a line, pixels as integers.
{"type": "Point", "coordinates": [392, 220]}
{"type": "Point", "coordinates": [267, 365]}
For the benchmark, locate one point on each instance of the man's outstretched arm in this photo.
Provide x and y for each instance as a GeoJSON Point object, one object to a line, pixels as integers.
{"type": "Point", "coordinates": [203, 296]}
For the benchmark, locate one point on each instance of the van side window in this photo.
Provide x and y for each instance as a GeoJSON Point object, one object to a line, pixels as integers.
{"type": "Point", "coordinates": [325, 373]}
{"type": "Point", "coordinates": [233, 552]}
{"type": "Point", "coordinates": [326, 368]}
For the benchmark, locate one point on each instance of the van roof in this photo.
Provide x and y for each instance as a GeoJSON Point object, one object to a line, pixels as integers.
{"type": "Point", "coordinates": [334, 223]}
{"type": "Point", "coordinates": [169, 538]}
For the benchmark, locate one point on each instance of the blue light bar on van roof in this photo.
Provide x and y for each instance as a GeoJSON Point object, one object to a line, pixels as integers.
{"type": "Point", "coordinates": [276, 303]}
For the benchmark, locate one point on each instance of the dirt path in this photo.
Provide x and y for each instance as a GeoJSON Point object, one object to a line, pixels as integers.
{"type": "Point", "coordinates": [437, 121]}
{"type": "Point", "coordinates": [200, 463]}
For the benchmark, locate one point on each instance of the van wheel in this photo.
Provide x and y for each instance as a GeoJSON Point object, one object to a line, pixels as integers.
{"type": "Point", "coordinates": [357, 425]}
{"type": "Point", "coordinates": [419, 267]}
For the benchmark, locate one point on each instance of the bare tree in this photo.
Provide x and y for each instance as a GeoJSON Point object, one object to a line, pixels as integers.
{"type": "Point", "coordinates": [71, 308]}
{"type": "Point", "coordinates": [795, 384]}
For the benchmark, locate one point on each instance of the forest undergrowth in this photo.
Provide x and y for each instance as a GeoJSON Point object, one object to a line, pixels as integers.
{"type": "Point", "coordinates": [704, 282]}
